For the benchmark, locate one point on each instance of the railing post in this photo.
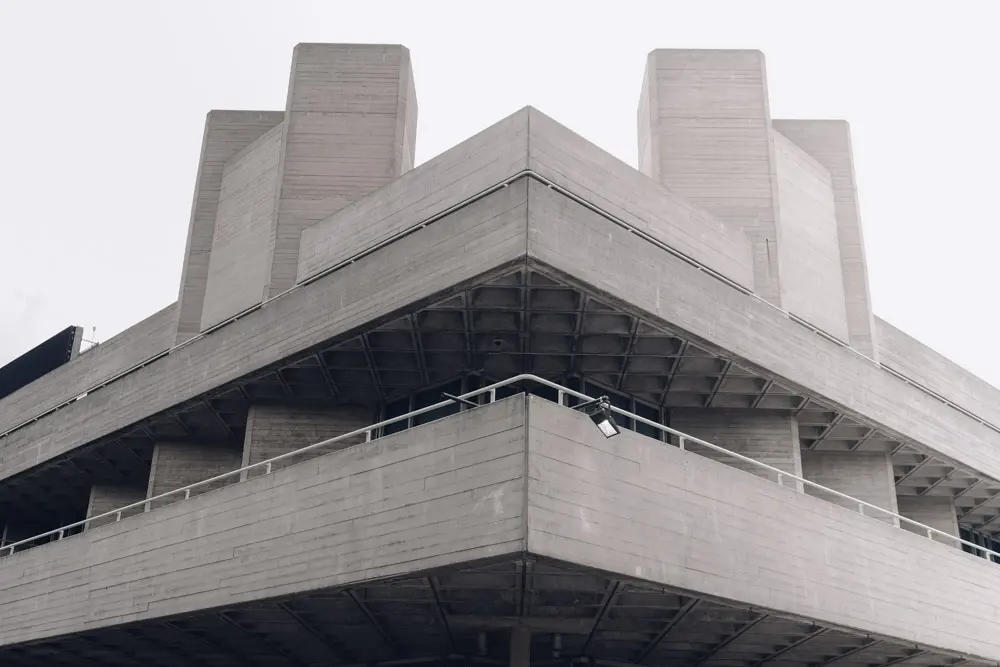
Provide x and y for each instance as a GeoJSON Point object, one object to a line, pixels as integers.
{"type": "Point", "coordinates": [493, 395]}
{"type": "Point", "coordinates": [187, 494]}
{"type": "Point", "coordinates": [781, 479]}
{"type": "Point", "coordinates": [560, 396]}
{"type": "Point", "coordinates": [861, 509]}
{"type": "Point", "coordinates": [267, 468]}
{"type": "Point", "coordinates": [930, 535]}
{"type": "Point", "coordinates": [680, 442]}
{"type": "Point", "coordinates": [118, 517]}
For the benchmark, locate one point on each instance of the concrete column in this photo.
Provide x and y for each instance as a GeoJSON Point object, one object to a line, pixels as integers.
{"type": "Point", "coordinates": [226, 134]}
{"type": "Point", "coordinates": [350, 128]}
{"type": "Point", "coordinates": [768, 436]}
{"type": "Point", "coordinates": [829, 143]}
{"type": "Point", "coordinates": [178, 464]}
{"type": "Point", "coordinates": [705, 133]}
{"type": "Point", "coordinates": [106, 497]}
{"type": "Point", "coordinates": [273, 430]}
{"type": "Point", "coordinates": [863, 475]}
{"type": "Point", "coordinates": [934, 511]}
{"type": "Point", "coordinates": [520, 647]}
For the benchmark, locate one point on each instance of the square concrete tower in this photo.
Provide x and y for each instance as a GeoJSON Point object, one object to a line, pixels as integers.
{"type": "Point", "coordinates": [348, 128]}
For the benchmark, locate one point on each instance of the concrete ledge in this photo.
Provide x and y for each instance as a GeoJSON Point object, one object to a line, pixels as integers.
{"type": "Point", "coordinates": [637, 507]}
{"type": "Point", "coordinates": [446, 492]}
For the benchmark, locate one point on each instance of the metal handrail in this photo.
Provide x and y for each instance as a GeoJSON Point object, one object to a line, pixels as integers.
{"type": "Point", "coordinates": [561, 393]}
{"type": "Point", "coordinates": [524, 173]}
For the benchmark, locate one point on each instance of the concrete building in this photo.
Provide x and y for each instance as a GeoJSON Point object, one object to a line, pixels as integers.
{"type": "Point", "coordinates": [796, 482]}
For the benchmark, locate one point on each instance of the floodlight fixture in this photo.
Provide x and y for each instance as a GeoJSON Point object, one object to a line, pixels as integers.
{"type": "Point", "coordinates": [599, 411]}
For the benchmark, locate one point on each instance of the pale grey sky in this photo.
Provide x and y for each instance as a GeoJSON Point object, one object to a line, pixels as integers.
{"type": "Point", "coordinates": [103, 105]}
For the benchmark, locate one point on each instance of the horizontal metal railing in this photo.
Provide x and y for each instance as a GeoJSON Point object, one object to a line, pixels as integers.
{"type": "Point", "coordinates": [683, 440]}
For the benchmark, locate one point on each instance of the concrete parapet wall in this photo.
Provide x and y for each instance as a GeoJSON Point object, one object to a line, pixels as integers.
{"type": "Point", "coordinates": [466, 245]}
{"type": "Point", "coordinates": [635, 506]}
{"type": "Point", "coordinates": [446, 492]}
{"type": "Point", "coordinates": [136, 344]}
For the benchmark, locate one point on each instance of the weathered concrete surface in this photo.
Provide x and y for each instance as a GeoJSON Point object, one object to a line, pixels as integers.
{"type": "Point", "coordinates": [768, 436]}
{"type": "Point", "coordinates": [226, 134]}
{"type": "Point", "coordinates": [632, 505]}
{"type": "Point", "coordinates": [934, 511]}
{"type": "Point", "coordinates": [273, 430]}
{"type": "Point", "coordinates": [829, 142]}
{"type": "Point", "coordinates": [528, 139]}
{"type": "Point", "coordinates": [446, 492]}
{"type": "Point", "coordinates": [178, 464]}
{"type": "Point", "coordinates": [241, 245]}
{"type": "Point", "coordinates": [137, 343]}
{"type": "Point", "coordinates": [582, 247]}
{"type": "Point", "coordinates": [812, 284]}
{"type": "Point", "coordinates": [704, 131]}
{"type": "Point", "coordinates": [866, 476]}
{"type": "Point", "coordinates": [463, 247]}
{"type": "Point", "coordinates": [907, 355]}
{"type": "Point", "coordinates": [350, 128]}
{"type": "Point", "coordinates": [107, 497]}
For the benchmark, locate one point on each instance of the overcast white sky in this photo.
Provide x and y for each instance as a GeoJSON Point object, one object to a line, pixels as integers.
{"type": "Point", "coordinates": [103, 106]}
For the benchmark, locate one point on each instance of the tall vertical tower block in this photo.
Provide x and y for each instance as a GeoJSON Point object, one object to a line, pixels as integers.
{"type": "Point", "coordinates": [349, 127]}
{"type": "Point", "coordinates": [706, 133]}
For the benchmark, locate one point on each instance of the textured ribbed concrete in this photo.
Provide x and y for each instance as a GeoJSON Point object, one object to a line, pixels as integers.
{"type": "Point", "coordinates": [631, 504]}
{"type": "Point", "coordinates": [178, 464]}
{"type": "Point", "coordinates": [866, 476]}
{"type": "Point", "coordinates": [106, 497]}
{"type": "Point", "coordinates": [226, 134]}
{"type": "Point", "coordinates": [768, 436]}
{"type": "Point", "coordinates": [829, 143]}
{"type": "Point", "coordinates": [350, 128]}
{"type": "Point", "coordinates": [934, 511]}
{"type": "Point", "coordinates": [812, 284]}
{"type": "Point", "coordinates": [273, 430]}
{"type": "Point", "coordinates": [705, 132]}
{"type": "Point", "coordinates": [243, 237]}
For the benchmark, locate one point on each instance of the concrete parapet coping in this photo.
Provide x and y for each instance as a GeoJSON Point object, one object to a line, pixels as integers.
{"type": "Point", "coordinates": [490, 391]}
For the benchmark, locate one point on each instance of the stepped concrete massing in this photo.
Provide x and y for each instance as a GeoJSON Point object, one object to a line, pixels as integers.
{"type": "Point", "coordinates": [795, 481]}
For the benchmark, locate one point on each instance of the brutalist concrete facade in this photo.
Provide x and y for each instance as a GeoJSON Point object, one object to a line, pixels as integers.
{"type": "Point", "coordinates": [720, 290]}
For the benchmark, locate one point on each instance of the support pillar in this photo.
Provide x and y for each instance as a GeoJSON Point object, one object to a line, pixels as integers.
{"type": "Point", "coordinates": [866, 476]}
{"type": "Point", "coordinates": [178, 464]}
{"type": "Point", "coordinates": [107, 497]}
{"type": "Point", "coordinates": [705, 133]}
{"type": "Point", "coordinates": [273, 430]}
{"type": "Point", "coordinates": [768, 436]}
{"type": "Point", "coordinates": [934, 511]}
{"type": "Point", "coordinates": [520, 647]}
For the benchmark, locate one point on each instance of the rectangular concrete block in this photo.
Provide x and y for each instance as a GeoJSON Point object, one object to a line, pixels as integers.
{"type": "Point", "coordinates": [705, 133]}
{"type": "Point", "coordinates": [829, 143]}
{"type": "Point", "coordinates": [241, 245]}
{"type": "Point", "coordinates": [178, 464]}
{"type": "Point", "coordinates": [226, 134]}
{"type": "Point", "coordinates": [812, 281]}
{"type": "Point", "coordinates": [934, 511]}
{"type": "Point", "coordinates": [273, 430]}
{"type": "Point", "coordinates": [768, 436]}
{"type": "Point", "coordinates": [350, 128]}
{"type": "Point", "coordinates": [866, 476]}
{"type": "Point", "coordinates": [107, 497]}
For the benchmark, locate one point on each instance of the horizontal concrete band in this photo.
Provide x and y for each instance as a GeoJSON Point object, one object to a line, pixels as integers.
{"type": "Point", "coordinates": [362, 294]}
{"type": "Point", "coordinates": [520, 474]}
